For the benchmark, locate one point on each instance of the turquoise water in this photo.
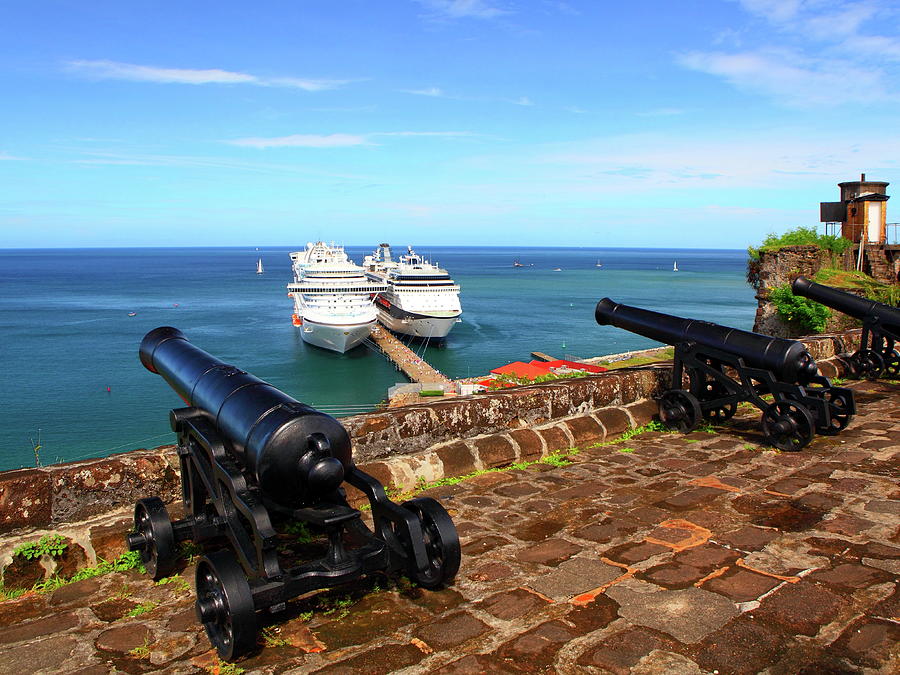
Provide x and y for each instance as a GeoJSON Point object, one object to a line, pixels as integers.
{"type": "Point", "coordinates": [65, 333]}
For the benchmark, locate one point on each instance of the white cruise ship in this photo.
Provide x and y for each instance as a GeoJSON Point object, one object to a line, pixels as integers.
{"type": "Point", "coordinates": [421, 299]}
{"type": "Point", "coordinates": [333, 300]}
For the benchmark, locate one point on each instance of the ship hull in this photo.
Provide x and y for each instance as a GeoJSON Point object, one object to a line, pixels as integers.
{"type": "Point", "coordinates": [337, 338]}
{"type": "Point", "coordinates": [413, 324]}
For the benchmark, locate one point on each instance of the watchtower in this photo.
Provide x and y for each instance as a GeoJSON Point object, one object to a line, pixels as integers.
{"type": "Point", "coordinates": [861, 211]}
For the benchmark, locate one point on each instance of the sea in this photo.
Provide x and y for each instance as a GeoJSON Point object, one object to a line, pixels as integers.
{"type": "Point", "coordinates": [71, 321]}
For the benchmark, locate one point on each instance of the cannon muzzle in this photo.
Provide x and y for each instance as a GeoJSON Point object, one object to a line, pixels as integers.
{"type": "Point", "coordinates": [293, 452]}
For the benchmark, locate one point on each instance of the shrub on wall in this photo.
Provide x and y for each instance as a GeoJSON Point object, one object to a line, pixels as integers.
{"type": "Point", "coordinates": [801, 236]}
{"type": "Point", "coordinates": [809, 315]}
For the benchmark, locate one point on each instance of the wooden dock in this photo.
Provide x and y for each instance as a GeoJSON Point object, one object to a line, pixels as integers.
{"type": "Point", "coordinates": [542, 356]}
{"type": "Point", "coordinates": [405, 358]}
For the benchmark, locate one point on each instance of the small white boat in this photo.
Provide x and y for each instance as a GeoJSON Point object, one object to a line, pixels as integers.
{"type": "Point", "coordinates": [516, 263]}
{"type": "Point", "coordinates": [259, 267]}
{"type": "Point", "coordinates": [599, 264]}
{"type": "Point", "coordinates": [675, 266]}
{"type": "Point", "coordinates": [132, 313]}
{"type": "Point", "coordinates": [557, 269]}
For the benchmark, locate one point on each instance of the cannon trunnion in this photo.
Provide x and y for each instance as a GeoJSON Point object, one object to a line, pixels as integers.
{"type": "Point", "coordinates": [256, 463]}
{"type": "Point", "coordinates": [877, 354]}
{"type": "Point", "coordinates": [726, 366]}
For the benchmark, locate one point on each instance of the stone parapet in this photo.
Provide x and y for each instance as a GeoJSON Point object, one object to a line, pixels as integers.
{"type": "Point", "coordinates": [398, 446]}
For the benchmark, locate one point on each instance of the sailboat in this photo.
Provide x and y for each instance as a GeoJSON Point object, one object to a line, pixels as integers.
{"type": "Point", "coordinates": [259, 267]}
{"type": "Point", "coordinates": [599, 264]}
{"type": "Point", "coordinates": [675, 266]}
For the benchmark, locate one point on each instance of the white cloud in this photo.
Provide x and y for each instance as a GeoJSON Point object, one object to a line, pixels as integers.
{"type": "Point", "coordinates": [339, 140]}
{"type": "Point", "coordinates": [112, 70]}
{"type": "Point", "coordinates": [792, 78]}
{"type": "Point", "coordinates": [777, 11]}
{"type": "Point", "coordinates": [752, 159]}
{"type": "Point", "coordinates": [4, 157]}
{"type": "Point", "coordinates": [522, 100]}
{"type": "Point", "coordinates": [303, 141]}
{"type": "Point", "coordinates": [463, 9]}
{"type": "Point", "coordinates": [819, 53]}
{"type": "Point", "coordinates": [428, 91]}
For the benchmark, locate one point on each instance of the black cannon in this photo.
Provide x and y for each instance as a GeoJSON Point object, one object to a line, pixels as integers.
{"type": "Point", "coordinates": [877, 354]}
{"type": "Point", "coordinates": [726, 366]}
{"type": "Point", "coordinates": [254, 459]}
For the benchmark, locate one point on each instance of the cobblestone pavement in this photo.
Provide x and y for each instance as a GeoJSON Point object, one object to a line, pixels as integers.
{"type": "Point", "coordinates": [667, 553]}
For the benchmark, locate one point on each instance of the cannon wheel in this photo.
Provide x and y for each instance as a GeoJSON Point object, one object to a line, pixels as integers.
{"type": "Point", "coordinates": [871, 363]}
{"type": "Point", "coordinates": [892, 364]}
{"type": "Point", "coordinates": [724, 412]}
{"type": "Point", "coordinates": [838, 410]}
{"type": "Point", "coordinates": [155, 538]}
{"type": "Point", "coordinates": [788, 426]}
{"type": "Point", "coordinates": [441, 542]}
{"type": "Point", "coordinates": [680, 409]}
{"type": "Point", "coordinates": [225, 605]}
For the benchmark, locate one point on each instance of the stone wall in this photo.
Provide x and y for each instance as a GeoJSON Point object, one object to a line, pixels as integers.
{"type": "Point", "coordinates": [776, 268]}
{"type": "Point", "coordinates": [90, 502]}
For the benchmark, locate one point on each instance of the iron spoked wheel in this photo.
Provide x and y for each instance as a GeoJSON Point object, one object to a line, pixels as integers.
{"type": "Point", "coordinates": [679, 409]}
{"type": "Point", "coordinates": [788, 426]}
{"type": "Point", "coordinates": [441, 543]}
{"type": "Point", "coordinates": [726, 411]}
{"type": "Point", "coordinates": [871, 363]}
{"type": "Point", "coordinates": [153, 538]}
{"type": "Point", "coordinates": [225, 605]}
{"type": "Point", "coordinates": [839, 407]}
{"type": "Point", "coordinates": [892, 364]}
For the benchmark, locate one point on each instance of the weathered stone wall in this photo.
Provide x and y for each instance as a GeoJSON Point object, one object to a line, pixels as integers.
{"type": "Point", "coordinates": [90, 502]}
{"type": "Point", "coordinates": [776, 268]}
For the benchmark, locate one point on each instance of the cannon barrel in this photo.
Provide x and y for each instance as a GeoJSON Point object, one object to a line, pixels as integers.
{"type": "Point", "coordinates": [852, 305]}
{"type": "Point", "coordinates": [787, 358]}
{"type": "Point", "coordinates": [292, 451]}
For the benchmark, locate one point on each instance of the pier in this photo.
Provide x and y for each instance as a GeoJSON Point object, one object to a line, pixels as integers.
{"type": "Point", "coordinates": [405, 358]}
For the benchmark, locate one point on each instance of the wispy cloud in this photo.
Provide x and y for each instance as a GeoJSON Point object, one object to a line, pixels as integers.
{"type": "Point", "coordinates": [428, 91]}
{"type": "Point", "coordinates": [753, 159]}
{"type": "Point", "coordinates": [522, 100]}
{"type": "Point", "coordinates": [816, 48]}
{"type": "Point", "coordinates": [791, 78]}
{"type": "Point", "coordinates": [4, 157]}
{"type": "Point", "coordinates": [112, 70]}
{"type": "Point", "coordinates": [303, 141]}
{"type": "Point", "coordinates": [338, 140]}
{"type": "Point", "coordinates": [463, 9]}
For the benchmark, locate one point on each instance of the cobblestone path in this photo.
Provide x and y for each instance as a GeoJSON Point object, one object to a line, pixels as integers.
{"type": "Point", "coordinates": [666, 553]}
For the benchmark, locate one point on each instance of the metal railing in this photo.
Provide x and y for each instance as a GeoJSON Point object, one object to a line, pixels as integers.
{"type": "Point", "coordinates": [892, 234]}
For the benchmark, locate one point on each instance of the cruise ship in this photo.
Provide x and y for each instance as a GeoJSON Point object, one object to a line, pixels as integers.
{"type": "Point", "coordinates": [421, 299]}
{"type": "Point", "coordinates": [333, 300]}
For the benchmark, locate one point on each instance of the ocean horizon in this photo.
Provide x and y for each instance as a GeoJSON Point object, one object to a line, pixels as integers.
{"type": "Point", "coordinates": [68, 347]}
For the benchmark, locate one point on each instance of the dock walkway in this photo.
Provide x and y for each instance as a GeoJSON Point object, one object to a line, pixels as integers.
{"type": "Point", "coordinates": [405, 358]}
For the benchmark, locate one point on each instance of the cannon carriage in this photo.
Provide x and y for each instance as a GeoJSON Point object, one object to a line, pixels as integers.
{"type": "Point", "coordinates": [877, 354]}
{"type": "Point", "coordinates": [726, 366]}
{"type": "Point", "coordinates": [252, 457]}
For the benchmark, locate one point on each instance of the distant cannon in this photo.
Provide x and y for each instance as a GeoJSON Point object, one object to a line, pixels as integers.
{"type": "Point", "coordinates": [726, 366]}
{"type": "Point", "coordinates": [877, 354]}
{"type": "Point", "coordinates": [256, 466]}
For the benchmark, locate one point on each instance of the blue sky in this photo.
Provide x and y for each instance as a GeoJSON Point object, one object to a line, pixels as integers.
{"type": "Point", "coordinates": [439, 122]}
